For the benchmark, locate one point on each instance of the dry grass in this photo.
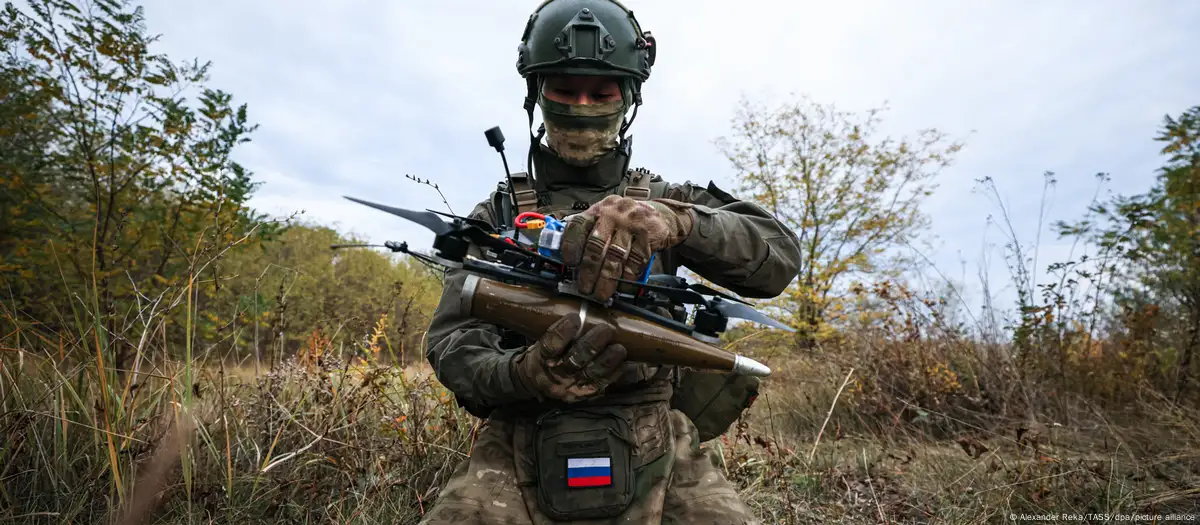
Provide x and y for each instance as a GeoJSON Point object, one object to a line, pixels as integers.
{"type": "Point", "coordinates": [371, 444]}
{"type": "Point", "coordinates": [325, 443]}
{"type": "Point", "coordinates": [884, 423]}
{"type": "Point", "coordinates": [978, 473]}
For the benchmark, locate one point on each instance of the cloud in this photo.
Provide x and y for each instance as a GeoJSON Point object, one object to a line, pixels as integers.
{"type": "Point", "coordinates": [353, 95]}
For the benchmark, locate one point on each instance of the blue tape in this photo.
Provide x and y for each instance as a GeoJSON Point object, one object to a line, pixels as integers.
{"type": "Point", "coordinates": [646, 274]}
{"type": "Point", "coordinates": [556, 225]}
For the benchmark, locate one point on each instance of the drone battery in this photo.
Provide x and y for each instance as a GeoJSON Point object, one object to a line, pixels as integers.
{"type": "Point", "coordinates": [549, 242]}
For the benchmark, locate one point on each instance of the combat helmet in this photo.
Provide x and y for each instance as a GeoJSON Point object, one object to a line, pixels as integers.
{"type": "Point", "coordinates": [585, 37]}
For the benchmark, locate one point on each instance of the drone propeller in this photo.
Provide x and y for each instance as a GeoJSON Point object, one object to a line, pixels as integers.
{"type": "Point", "coordinates": [679, 295]}
{"type": "Point", "coordinates": [730, 307]}
{"type": "Point", "coordinates": [464, 230]}
{"type": "Point", "coordinates": [704, 289]}
{"type": "Point", "coordinates": [743, 311]}
{"type": "Point", "coordinates": [692, 293]}
{"type": "Point", "coordinates": [478, 223]}
{"type": "Point", "coordinates": [427, 219]}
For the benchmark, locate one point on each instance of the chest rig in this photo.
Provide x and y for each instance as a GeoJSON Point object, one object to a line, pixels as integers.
{"type": "Point", "coordinates": [564, 199]}
{"type": "Point", "coordinates": [638, 184]}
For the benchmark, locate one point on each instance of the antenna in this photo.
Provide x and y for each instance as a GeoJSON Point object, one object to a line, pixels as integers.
{"type": "Point", "coordinates": [495, 139]}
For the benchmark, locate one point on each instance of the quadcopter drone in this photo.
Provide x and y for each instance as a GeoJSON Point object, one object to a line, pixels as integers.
{"type": "Point", "coordinates": [527, 254]}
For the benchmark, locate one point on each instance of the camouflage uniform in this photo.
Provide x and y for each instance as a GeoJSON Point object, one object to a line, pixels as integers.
{"type": "Point", "coordinates": [735, 244]}
{"type": "Point", "coordinates": [645, 432]}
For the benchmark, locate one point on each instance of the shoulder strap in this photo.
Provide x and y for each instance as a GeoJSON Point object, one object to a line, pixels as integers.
{"type": "Point", "coordinates": [502, 209]}
{"type": "Point", "coordinates": [527, 199]}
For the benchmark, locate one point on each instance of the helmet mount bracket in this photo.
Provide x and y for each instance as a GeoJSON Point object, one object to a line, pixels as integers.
{"type": "Point", "coordinates": [585, 37]}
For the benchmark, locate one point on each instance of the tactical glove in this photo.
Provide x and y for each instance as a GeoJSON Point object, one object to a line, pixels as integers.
{"type": "Point", "coordinates": [558, 366]}
{"type": "Point", "coordinates": [614, 238]}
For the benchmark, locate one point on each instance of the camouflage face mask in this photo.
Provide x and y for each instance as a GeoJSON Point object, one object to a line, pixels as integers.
{"type": "Point", "coordinates": [582, 133]}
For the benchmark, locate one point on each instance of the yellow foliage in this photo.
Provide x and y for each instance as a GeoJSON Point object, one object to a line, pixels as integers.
{"type": "Point", "coordinates": [315, 348]}
{"type": "Point", "coordinates": [847, 194]}
{"type": "Point", "coordinates": [377, 333]}
{"type": "Point", "coordinates": [942, 380]}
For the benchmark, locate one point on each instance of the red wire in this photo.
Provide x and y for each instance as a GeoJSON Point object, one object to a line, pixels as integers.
{"type": "Point", "coordinates": [527, 215]}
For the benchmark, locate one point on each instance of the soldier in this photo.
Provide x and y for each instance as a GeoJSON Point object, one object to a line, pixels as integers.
{"type": "Point", "coordinates": [574, 432]}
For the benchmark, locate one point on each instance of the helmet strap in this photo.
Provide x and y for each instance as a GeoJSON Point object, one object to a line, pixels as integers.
{"type": "Point", "coordinates": [533, 87]}
{"type": "Point", "coordinates": [629, 121]}
{"type": "Point", "coordinates": [633, 90]}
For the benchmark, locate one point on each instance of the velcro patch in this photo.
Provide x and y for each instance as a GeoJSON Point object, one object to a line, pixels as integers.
{"type": "Point", "coordinates": [589, 472]}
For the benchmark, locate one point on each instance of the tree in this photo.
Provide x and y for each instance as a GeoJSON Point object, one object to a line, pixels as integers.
{"type": "Point", "coordinates": [851, 198]}
{"type": "Point", "coordinates": [1156, 236]}
{"type": "Point", "coordinates": [296, 286]}
{"type": "Point", "coordinates": [27, 134]}
{"type": "Point", "coordinates": [119, 190]}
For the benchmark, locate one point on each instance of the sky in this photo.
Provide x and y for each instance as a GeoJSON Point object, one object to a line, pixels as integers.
{"type": "Point", "coordinates": [352, 95]}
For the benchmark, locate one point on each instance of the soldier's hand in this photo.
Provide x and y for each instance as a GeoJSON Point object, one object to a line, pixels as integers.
{"type": "Point", "coordinates": [614, 238]}
{"type": "Point", "coordinates": [561, 367]}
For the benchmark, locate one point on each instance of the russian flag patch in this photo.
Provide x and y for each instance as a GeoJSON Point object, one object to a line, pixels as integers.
{"type": "Point", "coordinates": [589, 472]}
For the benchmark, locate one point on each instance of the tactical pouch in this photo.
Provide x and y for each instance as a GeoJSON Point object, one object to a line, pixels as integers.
{"type": "Point", "coordinates": [714, 401]}
{"type": "Point", "coordinates": [584, 464]}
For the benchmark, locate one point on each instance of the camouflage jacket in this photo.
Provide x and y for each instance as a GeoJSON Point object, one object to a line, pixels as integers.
{"type": "Point", "coordinates": [735, 244]}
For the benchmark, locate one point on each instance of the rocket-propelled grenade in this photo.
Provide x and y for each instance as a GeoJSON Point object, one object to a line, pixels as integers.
{"type": "Point", "coordinates": [531, 311]}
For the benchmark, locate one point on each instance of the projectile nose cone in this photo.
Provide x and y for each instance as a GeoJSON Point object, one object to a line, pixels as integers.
{"type": "Point", "coordinates": [749, 367]}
